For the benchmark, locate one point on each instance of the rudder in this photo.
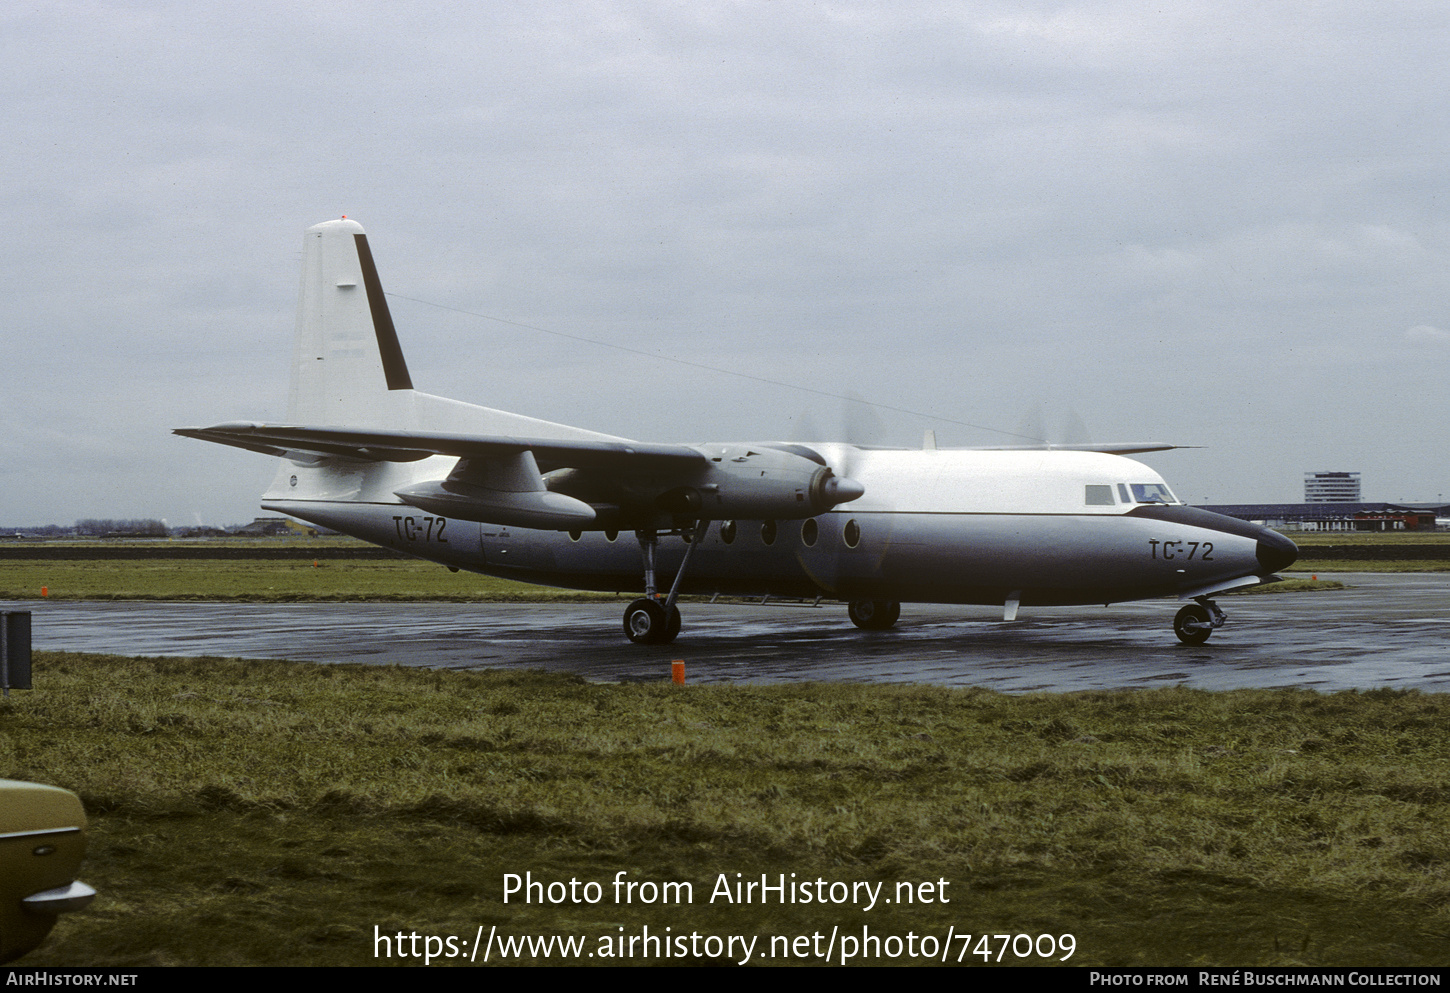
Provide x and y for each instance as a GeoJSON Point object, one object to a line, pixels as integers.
{"type": "Point", "coordinates": [347, 357]}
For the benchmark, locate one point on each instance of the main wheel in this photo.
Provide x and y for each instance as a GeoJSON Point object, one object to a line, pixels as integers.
{"type": "Point", "coordinates": [873, 615]}
{"type": "Point", "coordinates": [1193, 625]}
{"type": "Point", "coordinates": [646, 622]}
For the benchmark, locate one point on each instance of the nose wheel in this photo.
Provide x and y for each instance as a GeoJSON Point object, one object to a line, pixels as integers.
{"type": "Point", "coordinates": [873, 615]}
{"type": "Point", "coordinates": [1197, 621]}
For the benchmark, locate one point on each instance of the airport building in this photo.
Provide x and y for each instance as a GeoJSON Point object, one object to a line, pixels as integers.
{"type": "Point", "coordinates": [1331, 487]}
{"type": "Point", "coordinates": [1332, 503]}
{"type": "Point", "coordinates": [1344, 516]}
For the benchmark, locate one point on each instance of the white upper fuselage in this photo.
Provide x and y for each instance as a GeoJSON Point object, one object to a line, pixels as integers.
{"type": "Point", "coordinates": [946, 481]}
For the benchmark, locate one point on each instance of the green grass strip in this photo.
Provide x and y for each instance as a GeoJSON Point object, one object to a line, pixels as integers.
{"type": "Point", "coordinates": [249, 812]}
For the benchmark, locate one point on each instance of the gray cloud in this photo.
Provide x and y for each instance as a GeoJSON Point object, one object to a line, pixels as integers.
{"type": "Point", "coordinates": [1205, 223]}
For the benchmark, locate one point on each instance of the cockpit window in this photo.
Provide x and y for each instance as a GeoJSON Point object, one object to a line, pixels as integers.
{"type": "Point", "coordinates": [1152, 493]}
{"type": "Point", "coordinates": [1098, 495]}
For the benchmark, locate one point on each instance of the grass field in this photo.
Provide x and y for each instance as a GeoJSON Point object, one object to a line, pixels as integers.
{"type": "Point", "coordinates": [1315, 566]}
{"type": "Point", "coordinates": [269, 580]}
{"type": "Point", "coordinates": [251, 812]}
{"type": "Point", "coordinates": [1308, 539]}
{"type": "Point", "coordinates": [1379, 547]}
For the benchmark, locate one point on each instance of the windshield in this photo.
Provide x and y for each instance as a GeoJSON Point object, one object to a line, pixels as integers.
{"type": "Point", "coordinates": [1152, 493]}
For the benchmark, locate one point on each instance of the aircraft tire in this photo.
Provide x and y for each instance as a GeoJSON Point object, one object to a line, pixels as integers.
{"type": "Point", "coordinates": [1193, 625]}
{"type": "Point", "coordinates": [647, 623]}
{"type": "Point", "coordinates": [873, 615]}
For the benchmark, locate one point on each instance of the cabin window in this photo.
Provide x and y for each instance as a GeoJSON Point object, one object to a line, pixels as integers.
{"type": "Point", "coordinates": [851, 534]}
{"type": "Point", "coordinates": [1099, 495]}
{"type": "Point", "coordinates": [1123, 493]}
{"type": "Point", "coordinates": [809, 531]}
{"type": "Point", "coordinates": [727, 532]}
{"type": "Point", "coordinates": [611, 535]}
{"type": "Point", "coordinates": [767, 532]}
{"type": "Point", "coordinates": [575, 535]}
{"type": "Point", "coordinates": [1152, 493]}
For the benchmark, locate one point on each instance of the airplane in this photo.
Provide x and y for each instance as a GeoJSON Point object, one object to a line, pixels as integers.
{"type": "Point", "coordinates": [499, 493]}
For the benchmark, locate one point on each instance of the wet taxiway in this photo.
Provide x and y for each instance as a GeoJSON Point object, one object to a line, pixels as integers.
{"type": "Point", "coordinates": [1385, 630]}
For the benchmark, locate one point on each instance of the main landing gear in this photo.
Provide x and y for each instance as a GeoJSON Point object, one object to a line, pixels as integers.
{"type": "Point", "coordinates": [1197, 621]}
{"type": "Point", "coordinates": [647, 622]}
{"type": "Point", "coordinates": [873, 615]}
{"type": "Point", "coordinates": [651, 620]}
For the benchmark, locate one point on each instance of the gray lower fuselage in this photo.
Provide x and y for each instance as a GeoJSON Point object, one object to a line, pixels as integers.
{"type": "Point", "coordinates": [966, 558]}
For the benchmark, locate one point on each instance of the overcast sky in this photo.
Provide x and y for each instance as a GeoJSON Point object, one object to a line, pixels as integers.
{"type": "Point", "coordinates": [1218, 224]}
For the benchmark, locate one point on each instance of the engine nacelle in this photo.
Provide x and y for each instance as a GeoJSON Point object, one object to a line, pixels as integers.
{"type": "Point", "coordinates": [758, 483]}
{"type": "Point", "coordinates": [540, 510]}
{"type": "Point", "coordinates": [507, 490]}
{"type": "Point", "coordinates": [738, 482]}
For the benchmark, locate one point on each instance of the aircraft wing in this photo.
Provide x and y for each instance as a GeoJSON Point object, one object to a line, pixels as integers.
{"type": "Point", "coordinates": [1110, 448]}
{"type": "Point", "coordinates": [305, 443]}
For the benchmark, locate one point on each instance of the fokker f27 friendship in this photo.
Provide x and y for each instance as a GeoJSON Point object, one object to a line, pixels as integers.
{"type": "Point", "coordinates": [507, 495]}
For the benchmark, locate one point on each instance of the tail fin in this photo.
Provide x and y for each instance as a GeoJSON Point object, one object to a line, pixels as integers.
{"type": "Point", "coordinates": [348, 368]}
{"type": "Point", "coordinates": [347, 353]}
{"type": "Point", "coordinates": [348, 376]}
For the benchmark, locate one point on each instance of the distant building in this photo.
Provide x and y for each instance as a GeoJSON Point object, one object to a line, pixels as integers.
{"type": "Point", "coordinates": [1331, 487]}
{"type": "Point", "coordinates": [1338, 516]}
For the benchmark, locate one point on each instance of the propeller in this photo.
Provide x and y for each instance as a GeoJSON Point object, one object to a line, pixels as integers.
{"type": "Point", "coordinates": [859, 425]}
{"type": "Point", "coordinates": [1069, 428]}
{"type": "Point", "coordinates": [857, 422]}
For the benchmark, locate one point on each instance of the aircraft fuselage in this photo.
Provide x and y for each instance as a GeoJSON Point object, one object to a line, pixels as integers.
{"type": "Point", "coordinates": [969, 527]}
{"type": "Point", "coordinates": [510, 495]}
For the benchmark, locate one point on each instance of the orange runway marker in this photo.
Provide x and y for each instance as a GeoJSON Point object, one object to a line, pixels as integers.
{"type": "Point", "coordinates": [677, 672]}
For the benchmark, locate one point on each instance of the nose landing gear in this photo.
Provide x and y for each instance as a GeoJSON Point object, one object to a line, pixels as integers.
{"type": "Point", "coordinates": [873, 615]}
{"type": "Point", "coordinates": [1197, 621]}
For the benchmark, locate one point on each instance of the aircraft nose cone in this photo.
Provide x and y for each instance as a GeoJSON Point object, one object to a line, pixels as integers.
{"type": "Point", "coordinates": [1276, 552]}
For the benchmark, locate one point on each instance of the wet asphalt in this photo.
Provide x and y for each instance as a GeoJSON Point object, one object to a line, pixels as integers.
{"type": "Point", "coordinates": [1385, 630]}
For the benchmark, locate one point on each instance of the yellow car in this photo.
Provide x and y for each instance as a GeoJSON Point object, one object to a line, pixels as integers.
{"type": "Point", "coordinates": [42, 841]}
